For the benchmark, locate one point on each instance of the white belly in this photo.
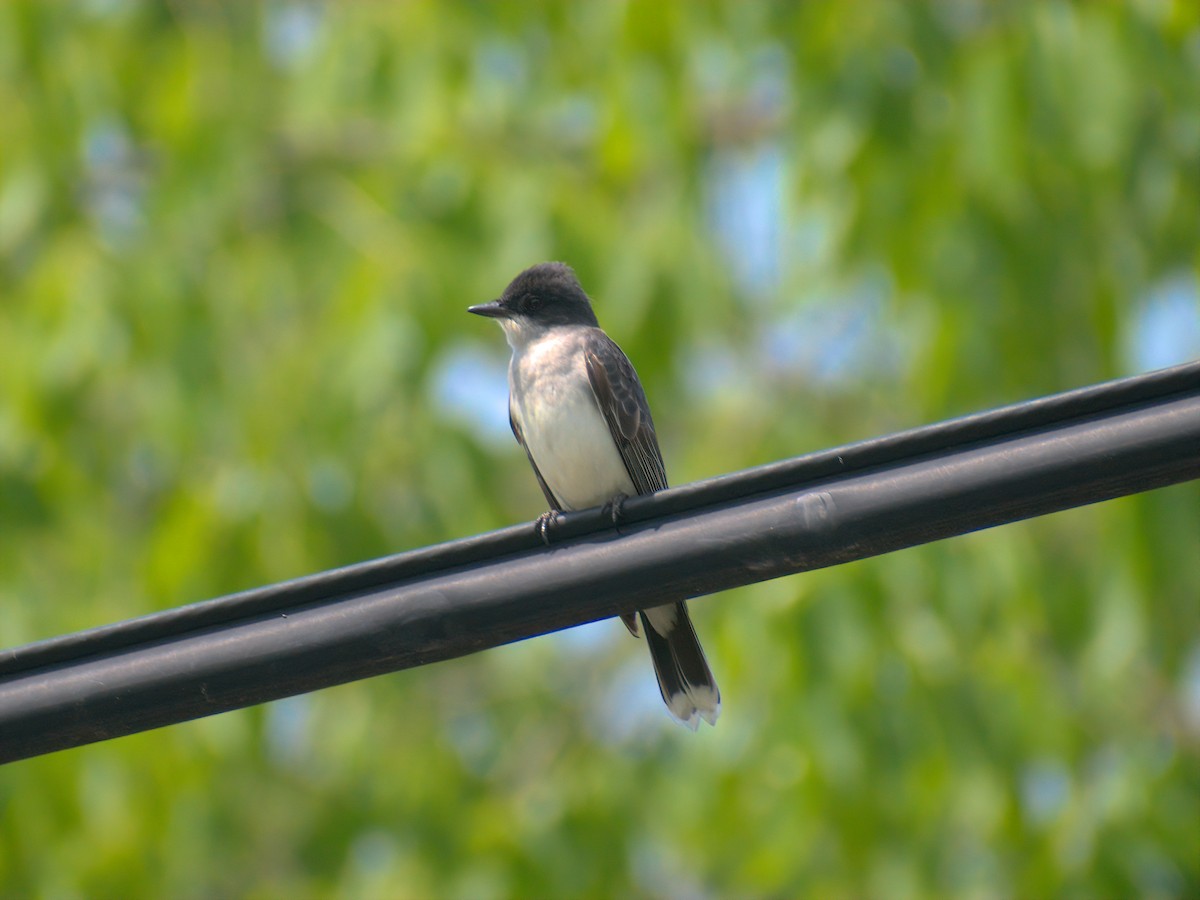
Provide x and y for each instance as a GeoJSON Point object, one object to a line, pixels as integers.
{"type": "Point", "coordinates": [566, 433]}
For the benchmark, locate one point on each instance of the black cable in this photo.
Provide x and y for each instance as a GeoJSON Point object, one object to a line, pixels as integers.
{"type": "Point", "coordinates": [444, 601]}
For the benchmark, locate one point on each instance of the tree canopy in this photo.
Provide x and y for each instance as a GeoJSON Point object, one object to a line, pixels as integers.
{"type": "Point", "coordinates": [236, 246]}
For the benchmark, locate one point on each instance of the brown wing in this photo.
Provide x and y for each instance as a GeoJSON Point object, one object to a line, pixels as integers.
{"type": "Point", "coordinates": [623, 403]}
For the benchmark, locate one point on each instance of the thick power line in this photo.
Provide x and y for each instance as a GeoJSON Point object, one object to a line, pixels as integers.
{"type": "Point", "coordinates": [818, 510]}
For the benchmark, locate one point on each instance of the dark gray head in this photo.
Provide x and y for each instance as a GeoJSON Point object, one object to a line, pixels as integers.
{"type": "Point", "coordinates": [540, 298]}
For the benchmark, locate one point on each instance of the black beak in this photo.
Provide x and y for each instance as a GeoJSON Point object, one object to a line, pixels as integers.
{"type": "Point", "coordinates": [493, 310]}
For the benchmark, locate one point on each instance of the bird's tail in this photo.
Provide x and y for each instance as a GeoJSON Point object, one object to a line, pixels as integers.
{"type": "Point", "coordinates": [686, 682]}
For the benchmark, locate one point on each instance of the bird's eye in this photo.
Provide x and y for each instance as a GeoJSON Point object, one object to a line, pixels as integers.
{"type": "Point", "coordinates": [532, 302]}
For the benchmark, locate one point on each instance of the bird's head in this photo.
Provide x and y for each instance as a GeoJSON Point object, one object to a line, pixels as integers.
{"type": "Point", "coordinates": [542, 297]}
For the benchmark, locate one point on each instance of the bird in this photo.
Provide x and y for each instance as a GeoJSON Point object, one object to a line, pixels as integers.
{"type": "Point", "coordinates": [578, 410]}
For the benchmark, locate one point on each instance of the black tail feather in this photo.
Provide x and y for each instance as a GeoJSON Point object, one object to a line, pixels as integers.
{"type": "Point", "coordinates": [687, 684]}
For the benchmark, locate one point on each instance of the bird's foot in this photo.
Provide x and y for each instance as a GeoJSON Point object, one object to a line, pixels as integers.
{"type": "Point", "coordinates": [615, 507]}
{"type": "Point", "coordinates": [545, 522]}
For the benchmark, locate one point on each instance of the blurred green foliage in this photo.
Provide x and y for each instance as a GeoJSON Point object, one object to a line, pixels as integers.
{"type": "Point", "coordinates": [236, 245]}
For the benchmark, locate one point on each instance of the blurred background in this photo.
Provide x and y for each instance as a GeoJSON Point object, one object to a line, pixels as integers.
{"type": "Point", "coordinates": [236, 247]}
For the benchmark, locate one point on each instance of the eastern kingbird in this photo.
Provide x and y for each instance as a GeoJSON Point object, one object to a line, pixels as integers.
{"type": "Point", "coordinates": [577, 408]}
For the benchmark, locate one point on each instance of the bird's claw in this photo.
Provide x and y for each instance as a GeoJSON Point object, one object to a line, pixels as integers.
{"type": "Point", "coordinates": [615, 507]}
{"type": "Point", "coordinates": [544, 523]}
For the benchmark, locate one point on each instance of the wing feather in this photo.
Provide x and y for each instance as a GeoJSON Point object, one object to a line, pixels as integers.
{"type": "Point", "coordinates": [623, 403]}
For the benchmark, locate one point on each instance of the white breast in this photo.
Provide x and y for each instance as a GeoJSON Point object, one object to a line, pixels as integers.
{"type": "Point", "coordinates": [562, 425]}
